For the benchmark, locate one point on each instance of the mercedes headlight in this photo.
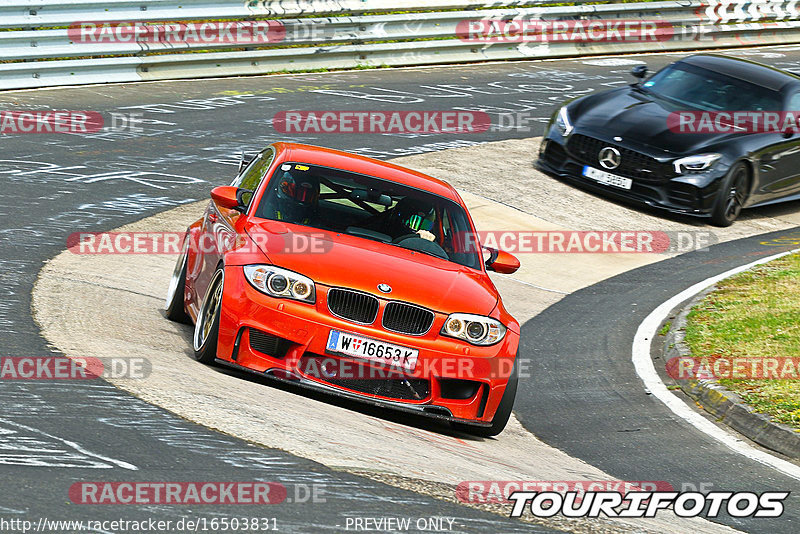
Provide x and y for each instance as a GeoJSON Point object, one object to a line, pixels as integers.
{"type": "Point", "coordinates": [563, 125]}
{"type": "Point", "coordinates": [475, 329]}
{"type": "Point", "coordinates": [698, 163]}
{"type": "Point", "coordinates": [280, 283]}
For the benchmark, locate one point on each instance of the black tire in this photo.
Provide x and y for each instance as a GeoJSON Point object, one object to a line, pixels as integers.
{"type": "Point", "coordinates": [501, 416]}
{"type": "Point", "coordinates": [732, 196]}
{"type": "Point", "coordinates": [206, 328]}
{"type": "Point", "coordinates": [174, 308]}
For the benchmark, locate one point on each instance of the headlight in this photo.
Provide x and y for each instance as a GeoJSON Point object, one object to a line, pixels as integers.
{"type": "Point", "coordinates": [697, 163]}
{"type": "Point", "coordinates": [280, 283]}
{"type": "Point", "coordinates": [563, 125]}
{"type": "Point", "coordinates": [475, 329]}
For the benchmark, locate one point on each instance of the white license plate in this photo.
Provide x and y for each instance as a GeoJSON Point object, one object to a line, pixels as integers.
{"type": "Point", "coordinates": [372, 350]}
{"type": "Point", "coordinates": [607, 178]}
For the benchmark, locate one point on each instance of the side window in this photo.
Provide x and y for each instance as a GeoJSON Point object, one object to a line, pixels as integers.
{"type": "Point", "coordinates": [237, 182]}
{"type": "Point", "coordinates": [253, 174]}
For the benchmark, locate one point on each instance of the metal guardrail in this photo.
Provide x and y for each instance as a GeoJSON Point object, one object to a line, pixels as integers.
{"type": "Point", "coordinates": [43, 13]}
{"type": "Point", "coordinates": [39, 44]}
{"type": "Point", "coordinates": [45, 57]}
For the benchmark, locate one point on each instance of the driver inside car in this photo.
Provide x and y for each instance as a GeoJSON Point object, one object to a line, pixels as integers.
{"type": "Point", "coordinates": [297, 200]}
{"type": "Point", "coordinates": [407, 218]}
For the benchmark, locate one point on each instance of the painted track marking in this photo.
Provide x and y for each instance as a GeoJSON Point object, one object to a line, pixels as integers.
{"type": "Point", "coordinates": [646, 370]}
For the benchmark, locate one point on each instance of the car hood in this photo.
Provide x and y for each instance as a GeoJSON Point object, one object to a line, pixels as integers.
{"type": "Point", "coordinates": [639, 119]}
{"type": "Point", "coordinates": [347, 261]}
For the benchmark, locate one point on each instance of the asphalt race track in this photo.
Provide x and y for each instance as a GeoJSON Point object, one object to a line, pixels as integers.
{"type": "Point", "coordinates": [53, 433]}
{"type": "Point", "coordinates": [585, 398]}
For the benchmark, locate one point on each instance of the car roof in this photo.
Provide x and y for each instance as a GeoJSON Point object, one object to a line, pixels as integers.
{"type": "Point", "coordinates": [743, 69]}
{"type": "Point", "coordinates": [346, 161]}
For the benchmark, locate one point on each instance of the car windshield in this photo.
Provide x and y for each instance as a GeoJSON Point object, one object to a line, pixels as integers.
{"type": "Point", "coordinates": [370, 208]}
{"type": "Point", "coordinates": [694, 87]}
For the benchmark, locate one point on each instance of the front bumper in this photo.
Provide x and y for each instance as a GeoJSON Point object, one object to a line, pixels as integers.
{"type": "Point", "coordinates": [452, 380]}
{"type": "Point", "coordinates": [692, 194]}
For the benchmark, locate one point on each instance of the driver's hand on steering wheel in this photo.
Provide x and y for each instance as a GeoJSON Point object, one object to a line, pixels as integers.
{"type": "Point", "coordinates": [424, 234]}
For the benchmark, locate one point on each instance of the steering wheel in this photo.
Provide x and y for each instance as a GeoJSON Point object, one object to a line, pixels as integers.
{"type": "Point", "coordinates": [400, 239]}
{"type": "Point", "coordinates": [415, 242]}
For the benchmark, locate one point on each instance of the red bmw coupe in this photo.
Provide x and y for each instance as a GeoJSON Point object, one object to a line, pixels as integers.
{"type": "Point", "coordinates": [354, 276]}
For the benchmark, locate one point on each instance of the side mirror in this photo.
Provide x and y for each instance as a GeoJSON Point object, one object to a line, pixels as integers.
{"type": "Point", "coordinates": [229, 197]}
{"type": "Point", "coordinates": [639, 71]}
{"type": "Point", "coordinates": [501, 262]}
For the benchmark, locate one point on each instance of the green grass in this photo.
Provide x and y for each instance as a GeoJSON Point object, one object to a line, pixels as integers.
{"type": "Point", "coordinates": [755, 314]}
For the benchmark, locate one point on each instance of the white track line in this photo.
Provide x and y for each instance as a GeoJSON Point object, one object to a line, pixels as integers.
{"type": "Point", "coordinates": [647, 372]}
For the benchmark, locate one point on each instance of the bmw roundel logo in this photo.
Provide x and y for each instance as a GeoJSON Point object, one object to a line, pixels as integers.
{"type": "Point", "coordinates": [609, 157]}
{"type": "Point", "coordinates": [384, 288]}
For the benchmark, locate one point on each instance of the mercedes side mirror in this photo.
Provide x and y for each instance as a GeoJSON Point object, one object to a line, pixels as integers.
{"type": "Point", "coordinates": [639, 71]}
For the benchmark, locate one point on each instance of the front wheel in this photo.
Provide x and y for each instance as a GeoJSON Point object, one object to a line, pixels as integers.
{"type": "Point", "coordinates": [503, 413]}
{"type": "Point", "coordinates": [206, 329]}
{"type": "Point", "coordinates": [174, 307]}
{"type": "Point", "coordinates": [732, 196]}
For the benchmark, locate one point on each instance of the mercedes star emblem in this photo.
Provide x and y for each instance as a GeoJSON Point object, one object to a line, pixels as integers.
{"type": "Point", "coordinates": [609, 158]}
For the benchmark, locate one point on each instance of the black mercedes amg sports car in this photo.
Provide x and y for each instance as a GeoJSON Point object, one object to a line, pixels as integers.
{"type": "Point", "coordinates": [707, 135]}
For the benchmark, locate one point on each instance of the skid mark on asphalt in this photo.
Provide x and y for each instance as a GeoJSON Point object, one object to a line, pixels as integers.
{"type": "Point", "coordinates": [107, 286]}
{"type": "Point", "coordinates": [24, 445]}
